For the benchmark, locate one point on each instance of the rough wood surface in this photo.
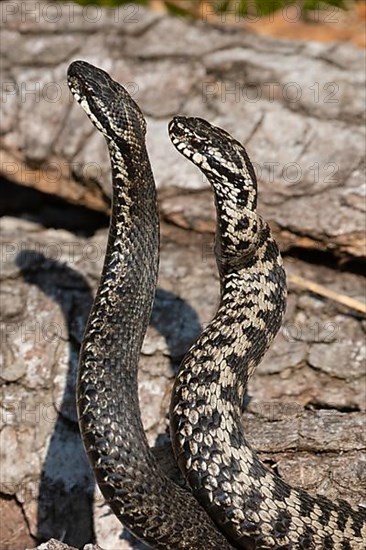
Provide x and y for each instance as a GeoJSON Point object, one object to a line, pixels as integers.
{"type": "Point", "coordinates": [306, 403]}
{"type": "Point", "coordinates": [298, 107]}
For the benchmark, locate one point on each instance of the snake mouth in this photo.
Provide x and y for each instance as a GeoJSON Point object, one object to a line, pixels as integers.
{"type": "Point", "coordinates": [215, 152]}
{"type": "Point", "coordinates": [87, 81]}
{"type": "Point", "coordinates": [92, 88]}
{"type": "Point", "coordinates": [190, 136]}
{"type": "Point", "coordinates": [192, 131]}
{"type": "Point", "coordinates": [91, 81]}
{"type": "Point", "coordinates": [206, 145]}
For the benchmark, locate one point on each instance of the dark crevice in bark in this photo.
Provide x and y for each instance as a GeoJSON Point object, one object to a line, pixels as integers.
{"type": "Point", "coordinates": [49, 210]}
{"type": "Point", "coordinates": [327, 258]}
{"type": "Point", "coordinates": [319, 406]}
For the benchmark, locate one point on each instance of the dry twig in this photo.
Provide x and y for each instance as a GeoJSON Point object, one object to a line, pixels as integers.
{"type": "Point", "coordinates": [327, 293]}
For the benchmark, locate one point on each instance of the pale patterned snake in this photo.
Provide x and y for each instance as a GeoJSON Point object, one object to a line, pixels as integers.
{"type": "Point", "coordinates": [247, 500]}
{"type": "Point", "coordinates": [254, 508]}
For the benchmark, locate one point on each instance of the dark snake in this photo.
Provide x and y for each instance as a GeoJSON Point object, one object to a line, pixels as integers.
{"type": "Point", "coordinates": [234, 493]}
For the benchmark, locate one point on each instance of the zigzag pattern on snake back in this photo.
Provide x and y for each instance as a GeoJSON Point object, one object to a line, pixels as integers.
{"type": "Point", "coordinates": [142, 497]}
{"type": "Point", "coordinates": [249, 503]}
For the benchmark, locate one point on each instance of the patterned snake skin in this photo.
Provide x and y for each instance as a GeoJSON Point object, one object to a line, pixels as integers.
{"type": "Point", "coordinates": [251, 506]}
{"type": "Point", "coordinates": [142, 497]}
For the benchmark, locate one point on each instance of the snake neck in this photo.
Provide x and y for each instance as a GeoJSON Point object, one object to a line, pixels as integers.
{"type": "Point", "coordinates": [237, 238]}
{"type": "Point", "coordinates": [134, 210]}
{"type": "Point", "coordinates": [122, 306]}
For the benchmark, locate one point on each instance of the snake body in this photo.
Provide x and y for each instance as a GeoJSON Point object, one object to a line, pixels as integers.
{"type": "Point", "coordinates": [251, 506]}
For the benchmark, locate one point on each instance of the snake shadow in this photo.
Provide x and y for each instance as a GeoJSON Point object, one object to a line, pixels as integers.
{"type": "Point", "coordinates": [66, 489]}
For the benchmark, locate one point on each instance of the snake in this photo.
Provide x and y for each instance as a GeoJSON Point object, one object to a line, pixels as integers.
{"type": "Point", "coordinates": [131, 479]}
{"type": "Point", "coordinates": [234, 501]}
{"type": "Point", "coordinates": [250, 504]}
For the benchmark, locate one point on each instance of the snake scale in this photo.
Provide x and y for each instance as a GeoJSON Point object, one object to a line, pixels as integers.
{"type": "Point", "coordinates": [235, 502]}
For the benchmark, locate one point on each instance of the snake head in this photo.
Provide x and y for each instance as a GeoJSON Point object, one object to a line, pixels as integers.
{"type": "Point", "coordinates": [227, 166]}
{"type": "Point", "coordinates": [219, 156]}
{"type": "Point", "coordinates": [108, 105]}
